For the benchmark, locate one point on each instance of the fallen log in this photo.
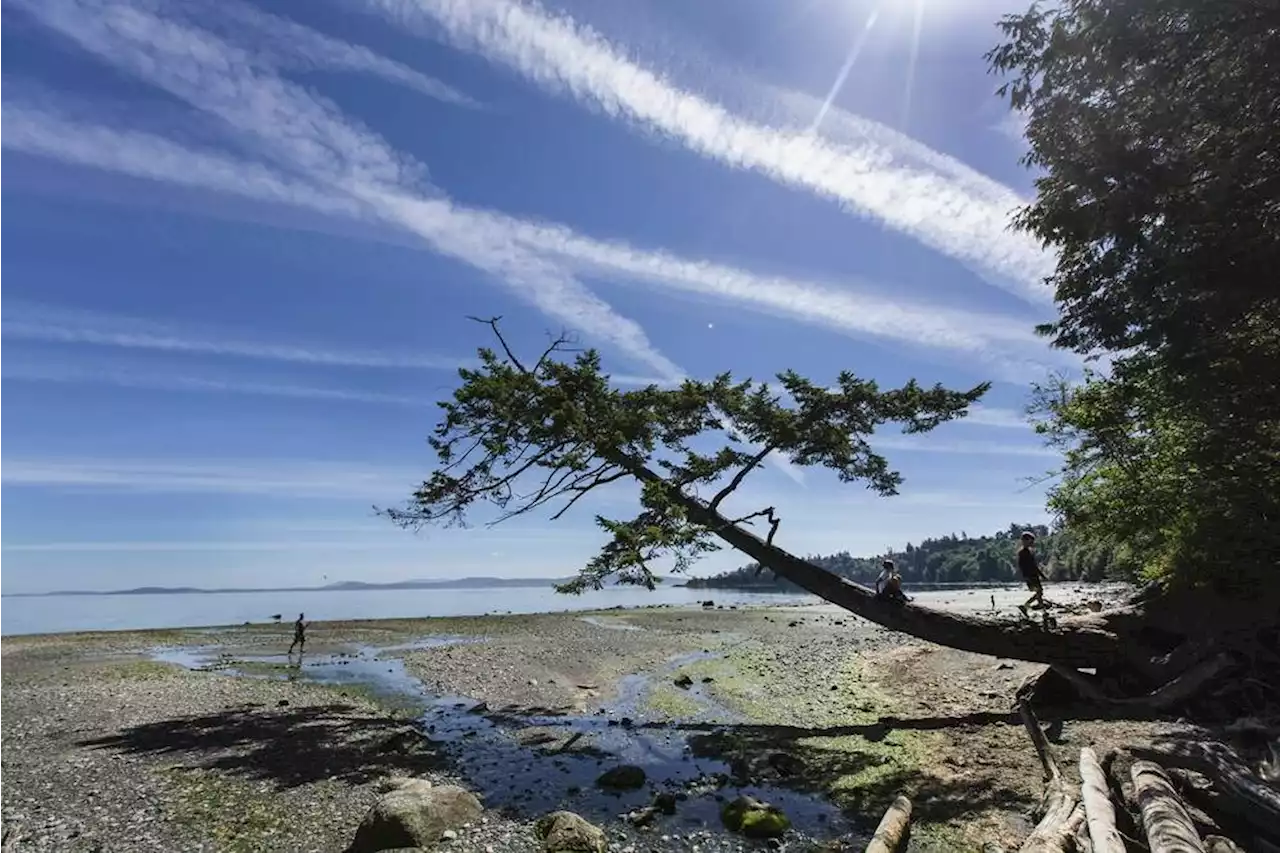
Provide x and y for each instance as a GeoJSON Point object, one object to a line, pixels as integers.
{"type": "Point", "coordinates": [1062, 815]}
{"type": "Point", "coordinates": [1174, 692]}
{"type": "Point", "coordinates": [1241, 792]}
{"type": "Point", "coordinates": [894, 829]}
{"type": "Point", "coordinates": [1100, 816]}
{"type": "Point", "coordinates": [1168, 825]}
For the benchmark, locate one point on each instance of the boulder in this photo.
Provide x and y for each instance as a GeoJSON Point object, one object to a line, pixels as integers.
{"type": "Point", "coordinates": [683, 681]}
{"type": "Point", "coordinates": [414, 815]}
{"type": "Point", "coordinates": [754, 818]}
{"type": "Point", "coordinates": [626, 777]}
{"type": "Point", "coordinates": [566, 832]}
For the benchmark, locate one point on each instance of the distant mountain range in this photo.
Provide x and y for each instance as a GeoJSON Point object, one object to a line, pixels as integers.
{"type": "Point", "coordinates": [341, 586]}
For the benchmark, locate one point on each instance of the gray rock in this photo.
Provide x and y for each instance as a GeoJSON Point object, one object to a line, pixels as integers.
{"type": "Point", "coordinates": [414, 816]}
{"type": "Point", "coordinates": [566, 832]}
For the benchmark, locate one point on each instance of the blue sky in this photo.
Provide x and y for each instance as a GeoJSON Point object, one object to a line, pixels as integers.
{"type": "Point", "coordinates": [242, 241]}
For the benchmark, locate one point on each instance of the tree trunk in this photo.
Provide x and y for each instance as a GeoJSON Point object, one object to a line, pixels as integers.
{"type": "Point", "coordinates": [1081, 642]}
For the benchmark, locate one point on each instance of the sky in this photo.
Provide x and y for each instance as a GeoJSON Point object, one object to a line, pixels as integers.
{"type": "Point", "coordinates": [242, 241]}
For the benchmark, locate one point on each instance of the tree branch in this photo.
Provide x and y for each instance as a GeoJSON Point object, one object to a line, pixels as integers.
{"type": "Point", "coordinates": [741, 475]}
{"type": "Point", "coordinates": [492, 323]}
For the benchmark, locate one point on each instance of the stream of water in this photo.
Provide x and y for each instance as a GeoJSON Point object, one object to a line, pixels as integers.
{"type": "Point", "coordinates": [521, 764]}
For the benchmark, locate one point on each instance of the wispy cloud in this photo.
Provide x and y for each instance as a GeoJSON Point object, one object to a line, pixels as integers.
{"type": "Point", "coordinates": [310, 135]}
{"type": "Point", "coordinates": [399, 543]}
{"type": "Point", "coordinates": [318, 480]}
{"type": "Point", "coordinates": [146, 155]}
{"type": "Point", "coordinates": [932, 444]}
{"type": "Point", "coordinates": [25, 321]}
{"type": "Point", "coordinates": [151, 381]}
{"type": "Point", "coordinates": [871, 179]}
{"type": "Point", "coordinates": [288, 44]}
{"type": "Point", "coordinates": [994, 416]}
{"type": "Point", "coordinates": [351, 171]}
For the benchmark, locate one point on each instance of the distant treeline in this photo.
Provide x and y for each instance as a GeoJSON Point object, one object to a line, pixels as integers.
{"type": "Point", "coordinates": [949, 559]}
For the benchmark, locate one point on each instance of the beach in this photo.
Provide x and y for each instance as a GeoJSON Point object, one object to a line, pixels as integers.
{"type": "Point", "coordinates": [209, 739]}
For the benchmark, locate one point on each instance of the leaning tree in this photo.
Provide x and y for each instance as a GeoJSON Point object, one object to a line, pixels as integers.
{"type": "Point", "coordinates": [520, 436]}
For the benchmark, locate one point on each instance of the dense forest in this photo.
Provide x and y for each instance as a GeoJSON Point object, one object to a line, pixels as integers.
{"type": "Point", "coordinates": [950, 559]}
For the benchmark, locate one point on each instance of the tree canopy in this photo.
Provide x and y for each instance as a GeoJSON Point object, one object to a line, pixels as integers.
{"type": "Point", "coordinates": [519, 437]}
{"type": "Point", "coordinates": [1155, 126]}
{"type": "Point", "coordinates": [950, 559]}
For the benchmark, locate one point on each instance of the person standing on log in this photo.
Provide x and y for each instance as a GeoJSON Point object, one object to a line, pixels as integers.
{"type": "Point", "coordinates": [1031, 573]}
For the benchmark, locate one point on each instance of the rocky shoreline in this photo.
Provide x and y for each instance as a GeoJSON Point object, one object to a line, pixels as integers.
{"type": "Point", "coordinates": [208, 740]}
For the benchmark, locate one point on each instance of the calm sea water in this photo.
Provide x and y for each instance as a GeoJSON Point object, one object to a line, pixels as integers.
{"type": "Point", "coordinates": [59, 613]}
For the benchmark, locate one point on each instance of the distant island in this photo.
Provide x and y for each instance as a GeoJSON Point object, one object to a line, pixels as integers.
{"type": "Point", "coordinates": [341, 586]}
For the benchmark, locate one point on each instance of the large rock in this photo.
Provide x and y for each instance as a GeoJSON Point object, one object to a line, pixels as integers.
{"type": "Point", "coordinates": [754, 819]}
{"type": "Point", "coordinates": [566, 832]}
{"type": "Point", "coordinates": [627, 777]}
{"type": "Point", "coordinates": [414, 815]}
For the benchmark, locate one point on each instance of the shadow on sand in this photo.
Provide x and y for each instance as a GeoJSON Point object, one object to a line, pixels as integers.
{"type": "Point", "coordinates": [284, 746]}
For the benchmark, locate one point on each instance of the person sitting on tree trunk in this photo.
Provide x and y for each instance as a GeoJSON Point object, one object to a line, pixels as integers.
{"type": "Point", "coordinates": [892, 582]}
{"type": "Point", "coordinates": [1031, 573]}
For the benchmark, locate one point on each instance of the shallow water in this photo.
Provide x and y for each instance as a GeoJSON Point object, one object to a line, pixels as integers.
{"type": "Point", "coordinates": [497, 756]}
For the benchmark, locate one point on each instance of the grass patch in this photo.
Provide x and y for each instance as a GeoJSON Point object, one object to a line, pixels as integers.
{"type": "Point", "coordinates": [237, 816]}
{"type": "Point", "coordinates": [669, 702]}
{"type": "Point", "coordinates": [823, 712]}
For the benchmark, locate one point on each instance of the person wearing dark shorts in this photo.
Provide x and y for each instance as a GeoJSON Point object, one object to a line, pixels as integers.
{"type": "Point", "coordinates": [1031, 573]}
{"type": "Point", "coordinates": [299, 635]}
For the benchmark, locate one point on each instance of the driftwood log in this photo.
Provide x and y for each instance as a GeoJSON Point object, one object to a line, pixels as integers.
{"type": "Point", "coordinates": [1239, 790]}
{"type": "Point", "coordinates": [1062, 814]}
{"type": "Point", "coordinates": [894, 829]}
{"type": "Point", "coordinates": [1100, 815]}
{"type": "Point", "coordinates": [1168, 825]}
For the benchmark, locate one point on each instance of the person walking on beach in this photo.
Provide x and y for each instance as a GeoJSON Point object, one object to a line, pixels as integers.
{"type": "Point", "coordinates": [299, 634]}
{"type": "Point", "coordinates": [1031, 573]}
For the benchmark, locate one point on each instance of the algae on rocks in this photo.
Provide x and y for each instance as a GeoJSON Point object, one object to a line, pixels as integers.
{"type": "Point", "coordinates": [754, 818]}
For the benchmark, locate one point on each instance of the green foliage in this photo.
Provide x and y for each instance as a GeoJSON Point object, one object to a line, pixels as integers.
{"type": "Point", "coordinates": [517, 438]}
{"type": "Point", "coordinates": [1155, 129]}
{"type": "Point", "coordinates": [952, 559]}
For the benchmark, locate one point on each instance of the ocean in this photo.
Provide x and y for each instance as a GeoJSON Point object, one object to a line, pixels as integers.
{"type": "Point", "coordinates": [62, 613]}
